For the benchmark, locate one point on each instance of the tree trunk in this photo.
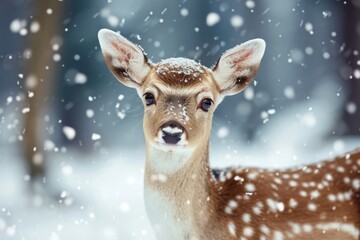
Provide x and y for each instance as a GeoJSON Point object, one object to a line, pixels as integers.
{"type": "Point", "coordinates": [41, 71]}
{"type": "Point", "coordinates": [352, 40]}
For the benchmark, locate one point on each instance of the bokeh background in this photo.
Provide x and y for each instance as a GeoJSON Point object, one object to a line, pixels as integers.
{"type": "Point", "coordinates": [71, 141]}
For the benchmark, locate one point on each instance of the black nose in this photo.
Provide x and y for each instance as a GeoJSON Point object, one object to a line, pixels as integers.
{"type": "Point", "coordinates": [172, 132]}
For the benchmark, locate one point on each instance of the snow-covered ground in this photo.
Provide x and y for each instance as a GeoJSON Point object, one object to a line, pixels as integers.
{"type": "Point", "coordinates": [89, 197]}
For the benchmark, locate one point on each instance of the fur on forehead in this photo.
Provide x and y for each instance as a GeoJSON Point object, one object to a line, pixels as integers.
{"type": "Point", "coordinates": [181, 72]}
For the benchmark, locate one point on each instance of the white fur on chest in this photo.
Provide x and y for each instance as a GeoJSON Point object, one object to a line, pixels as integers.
{"type": "Point", "coordinates": [162, 216]}
{"type": "Point", "coordinates": [166, 162]}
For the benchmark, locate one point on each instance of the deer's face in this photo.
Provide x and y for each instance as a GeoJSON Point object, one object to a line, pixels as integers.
{"type": "Point", "coordinates": [180, 95]}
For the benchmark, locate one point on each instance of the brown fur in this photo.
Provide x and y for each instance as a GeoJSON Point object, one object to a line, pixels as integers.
{"type": "Point", "coordinates": [341, 210]}
{"type": "Point", "coordinates": [175, 77]}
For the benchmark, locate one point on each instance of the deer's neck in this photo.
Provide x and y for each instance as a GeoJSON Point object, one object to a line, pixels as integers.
{"type": "Point", "coordinates": [177, 191]}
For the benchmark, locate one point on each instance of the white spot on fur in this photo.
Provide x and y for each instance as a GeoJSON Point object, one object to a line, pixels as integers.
{"type": "Point", "coordinates": [332, 197]}
{"type": "Point", "coordinates": [307, 228]}
{"type": "Point", "coordinates": [296, 176]}
{"type": "Point", "coordinates": [228, 210]}
{"type": "Point", "coordinates": [275, 205]}
{"type": "Point", "coordinates": [356, 184]}
{"type": "Point", "coordinates": [295, 228]}
{"type": "Point", "coordinates": [312, 207]}
{"type": "Point", "coordinates": [280, 206]}
{"type": "Point", "coordinates": [278, 235]}
{"type": "Point", "coordinates": [233, 204]}
{"type": "Point", "coordinates": [252, 175]}
{"type": "Point", "coordinates": [248, 231]}
{"type": "Point", "coordinates": [329, 177]}
{"type": "Point", "coordinates": [340, 197]}
{"type": "Point", "coordinates": [257, 210]}
{"type": "Point", "coordinates": [286, 176]}
{"type": "Point", "coordinates": [246, 217]}
{"type": "Point", "coordinates": [250, 187]}
{"type": "Point", "coordinates": [303, 193]}
{"type": "Point", "coordinates": [265, 229]}
{"type": "Point", "coordinates": [347, 180]}
{"type": "Point", "coordinates": [344, 227]}
{"type": "Point", "coordinates": [232, 229]}
{"type": "Point", "coordinates": [314, 194]}
{"type": "Point", "coordinates": [293, 203]}
{"type": "Point", "coordinates": [277, 180]}
{"type": "Point", "coordinates": [293, 183]}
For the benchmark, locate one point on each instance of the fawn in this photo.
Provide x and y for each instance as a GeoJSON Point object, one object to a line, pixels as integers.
{"type": "Point", "coordinates": [184, 197]}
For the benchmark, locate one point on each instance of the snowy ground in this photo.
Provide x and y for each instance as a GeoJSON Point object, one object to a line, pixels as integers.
{"type": "Point", "coordinates": [101, 198]}
{"type": "Point", "coordinates": [98, 196]}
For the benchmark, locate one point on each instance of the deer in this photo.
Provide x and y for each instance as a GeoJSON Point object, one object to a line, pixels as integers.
{"type": "Point", "coordinates": [184, 197]}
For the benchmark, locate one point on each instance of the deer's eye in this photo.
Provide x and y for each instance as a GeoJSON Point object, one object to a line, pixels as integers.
{"type": "Point", "coordinates": [206, 104]}
{"type": "Point", "coordinates": [149, 99]}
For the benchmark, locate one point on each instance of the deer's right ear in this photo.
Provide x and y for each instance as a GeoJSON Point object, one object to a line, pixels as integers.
{"type": "Point", "coordinates": [237, 67]}
{"type": "Point", "coordinates": [124, 59]}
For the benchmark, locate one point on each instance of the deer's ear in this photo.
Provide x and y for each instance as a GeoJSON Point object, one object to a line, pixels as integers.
{"type": "Point", "coordinates": [124, 59]}
{"type": "Point", "coordinates": [237, 67]}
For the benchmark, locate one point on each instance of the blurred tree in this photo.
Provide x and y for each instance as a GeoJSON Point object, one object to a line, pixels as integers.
{"type": "Point", "coordinates": [41, 72]}
{"type": "Point", "coordinates": [352, 39]}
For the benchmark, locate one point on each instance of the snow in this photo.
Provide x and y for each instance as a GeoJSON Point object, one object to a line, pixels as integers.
{"type": "Point", "coordinates": [90, 113]}
{"type": "Point", "coordinates": [180, 66]}
{"type": "Point", "coordinates": [184, 12]}
{"type": "Point", "coordinates": [237, 21]}
{"type": "Point", "coordinates": [223, 132]}
{"type": "Point", "coordinates": [34, 27]}
{"type": "Point", "coordinates": [56, 57]}
{"type": "Point", "coordinates": [326, 55]}
{"type": "Point", "coordinates": [17, 25]}
{"type": "Point", "coordinates": [49, 11]}
{"type": "Point", "coordinates": [289, 92]}
{"type": "Point", "coordinates": [103, 200]}
{"type": "Point", "coordinates": [212, 18]}
{"type": "Point", "coordinates": [80, 78]}
{"type": "Point", "coordinates": [25, 110]}
{"type": "Point", "coordinates": [351, 107]}
{"type": "Point", "coordinates": [250, 4]}
{"type": "Point", "coordinates": [69, 132]}
{"type": "Point", "coordinates": [99, 194]}
{"type": "Point", "coordinates": [357, 73]}
{"type": "Point", "coordinates": [95, 136]}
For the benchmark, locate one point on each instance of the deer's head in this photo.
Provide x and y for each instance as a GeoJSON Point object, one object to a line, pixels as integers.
{"type": "Point", "coordinates": [180, 95]}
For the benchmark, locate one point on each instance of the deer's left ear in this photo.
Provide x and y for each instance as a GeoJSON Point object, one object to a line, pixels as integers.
{"type": "Point", "coordinates": [237, 67]}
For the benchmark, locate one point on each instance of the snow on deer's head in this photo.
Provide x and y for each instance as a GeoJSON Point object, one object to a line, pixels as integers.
{"type": "Point", "coordinates": [180, 95]}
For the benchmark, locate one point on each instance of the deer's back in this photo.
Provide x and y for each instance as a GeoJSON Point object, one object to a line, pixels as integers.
{"type": "Point", "coordinates": [317, 201]}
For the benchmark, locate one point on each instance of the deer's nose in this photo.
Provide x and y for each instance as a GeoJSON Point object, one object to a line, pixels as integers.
{"type": "Point", "coordinates": [172, 132]}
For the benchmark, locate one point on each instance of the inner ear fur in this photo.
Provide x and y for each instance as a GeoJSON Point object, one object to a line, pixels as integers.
{"type": "Point", "coordinates": [125, 60]}
{"type": "Point", "coordinates": [237, 67]}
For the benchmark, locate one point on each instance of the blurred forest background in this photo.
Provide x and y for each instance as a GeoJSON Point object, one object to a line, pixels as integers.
{"type": "Point", "coordinates": [71, 141]}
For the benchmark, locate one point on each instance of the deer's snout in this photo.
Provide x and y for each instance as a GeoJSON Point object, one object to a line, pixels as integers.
{"type": "Point", "coordinates": [172, 132]}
